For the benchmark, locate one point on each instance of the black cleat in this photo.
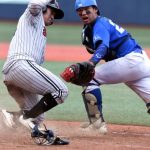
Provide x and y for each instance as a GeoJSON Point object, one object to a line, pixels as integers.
{"type": "Point", "coordinates": [46, 137]}
{"type": "Point", "coordinates": [60, 141]}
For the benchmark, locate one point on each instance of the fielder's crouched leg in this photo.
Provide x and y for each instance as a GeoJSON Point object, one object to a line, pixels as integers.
{"type": "Point", "coordinates": [95, 116]}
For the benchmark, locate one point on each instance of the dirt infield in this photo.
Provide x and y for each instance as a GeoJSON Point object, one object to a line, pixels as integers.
{"type": "Point", "coordinates": [118, 138]}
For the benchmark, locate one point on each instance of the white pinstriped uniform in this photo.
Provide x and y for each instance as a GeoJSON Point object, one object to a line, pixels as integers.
{"type": "Point", "coordinates": [23, 75]}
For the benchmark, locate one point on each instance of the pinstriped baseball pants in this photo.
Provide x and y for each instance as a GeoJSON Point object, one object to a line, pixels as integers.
{"type": "Point", "coordinates": [26, 81]}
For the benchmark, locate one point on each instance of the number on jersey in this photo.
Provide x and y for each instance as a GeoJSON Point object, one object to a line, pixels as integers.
{"type": "Point", "coordinates": [118, 28]}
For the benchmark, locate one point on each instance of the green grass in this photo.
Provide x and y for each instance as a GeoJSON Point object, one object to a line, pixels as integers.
{"type": "Point", "coordinates": [142, 35]}
{"type": "Point", "coordinates": [120, 104]}
{"type": "Point", "coordinates": [71, 34]}
{"type": "Point", "coordinates": [59, 34]}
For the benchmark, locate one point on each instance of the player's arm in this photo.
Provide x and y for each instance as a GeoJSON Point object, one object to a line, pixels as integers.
{"type": "Point", "coordinates": [100, 52]}
{"type": "Point", "coordinates": [36, 6]}
{"type": "Point", "coordinates": [101, 37]}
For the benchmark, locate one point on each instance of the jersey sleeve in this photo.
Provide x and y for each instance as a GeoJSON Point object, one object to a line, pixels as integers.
{"type": "Point", "coordinates": [101, 34]}
{"type": "Point", "coordinates": [36, 6]}
{"type": "Point", "coordinates": [100, 52]}
{"type": "Point", "coordinates": [34, 10]}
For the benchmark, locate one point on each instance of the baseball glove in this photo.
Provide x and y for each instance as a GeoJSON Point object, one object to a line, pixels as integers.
{"type": "Point", "coordinates": [79, 73]}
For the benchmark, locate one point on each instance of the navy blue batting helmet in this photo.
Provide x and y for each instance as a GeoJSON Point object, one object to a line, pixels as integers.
{"type": "Point", "coordinates": [55, 6]}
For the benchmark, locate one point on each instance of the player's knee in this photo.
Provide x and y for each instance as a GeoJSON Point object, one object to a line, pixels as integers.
{"type": "Point", "coordinates": [14, 91]}
{"type": "Point", "coordinates": [65, 93]}
{"type": "Point", "coordinates": [61, 95]}
{"type": "Point", "coordinates": [91, 88]}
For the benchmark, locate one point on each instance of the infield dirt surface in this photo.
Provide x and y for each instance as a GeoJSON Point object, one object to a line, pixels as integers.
{"type": "Point", "coordinates": [119, 137]}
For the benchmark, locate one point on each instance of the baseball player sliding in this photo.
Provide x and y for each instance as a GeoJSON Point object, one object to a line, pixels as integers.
{"type": "Point", "coordinates": [126, 62]}
{"type": "Point", "coordinates": [24, 77]}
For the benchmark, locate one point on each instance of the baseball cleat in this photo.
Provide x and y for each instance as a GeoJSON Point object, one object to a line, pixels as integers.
{"type": "Point", "coordinates": [84, 125]}
{"type": "Point", "coordinates": [100, 126]}
{"type": "Point", "coordinates": [28, 123]}
{"type": "Point", "coordinates": [8, 118]}
{"type": "Point", "coordinates": [47, 137]}
{"type": "Point", "coordinates": [97, 126]}
{"type": "Point", "coordinates": [60, 141]}
{"type": "Point", "coordinates": [103, 128]}
{"type": "Point", "coordinates": [87, 128]}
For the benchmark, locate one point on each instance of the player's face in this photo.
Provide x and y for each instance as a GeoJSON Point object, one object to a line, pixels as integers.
{"type": "Point", "coordinates": [49, 16]}
{"type": "Point", "coordinates": [87, 14]}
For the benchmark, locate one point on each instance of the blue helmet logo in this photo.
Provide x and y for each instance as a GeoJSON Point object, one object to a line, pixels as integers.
{"type": "Point", "coordinates": [84, 3]}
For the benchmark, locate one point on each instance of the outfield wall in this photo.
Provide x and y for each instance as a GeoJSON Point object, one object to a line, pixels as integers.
{"type": "Point", "coordinates": [121, 11]}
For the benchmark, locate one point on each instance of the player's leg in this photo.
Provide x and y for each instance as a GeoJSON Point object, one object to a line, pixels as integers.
{"type": "Point", "coordinates": [54, 93]}
{"type": "Point", "coordinates": [142, 88]}
{"type": "Point", "coordinates": [125, 69]}
{"type": "Point", "coordinates": [31, 100]}
{"type": "Point", "coordinates": [25, 100]}
{"type": "Point", "coordinates": [35, 79]}
{"type": "Point", "coordinates": [107, 73]}
{"type": "Point", "coordinates": [11, 118]}
{"type": "Point", "coordinates": [93, 103]}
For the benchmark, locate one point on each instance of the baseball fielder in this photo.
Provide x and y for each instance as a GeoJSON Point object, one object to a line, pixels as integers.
{"type": "Point", "coordinates": [126, 61]}
{"type": "Point", "coordinates": [24, 76]}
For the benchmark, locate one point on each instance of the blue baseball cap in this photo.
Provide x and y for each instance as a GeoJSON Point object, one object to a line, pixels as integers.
{"type": "Point", "coordinates": [85, 3]}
